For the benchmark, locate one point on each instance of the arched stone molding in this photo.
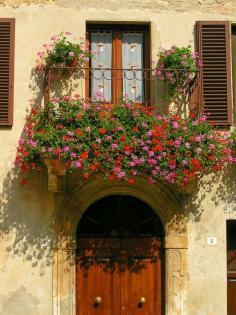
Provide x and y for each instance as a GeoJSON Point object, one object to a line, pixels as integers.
{"type": "Point", "coordinates": [162, 200]}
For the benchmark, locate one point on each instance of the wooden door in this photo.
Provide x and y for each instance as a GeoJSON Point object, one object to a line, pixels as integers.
{"type": "Point", "coordinates": [231, 267]}
{"type": "Point", "coordinates": [119, 277]}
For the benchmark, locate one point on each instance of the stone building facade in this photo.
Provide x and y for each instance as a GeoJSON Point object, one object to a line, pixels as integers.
{"type": "Point", "coordinates": [38, 276]}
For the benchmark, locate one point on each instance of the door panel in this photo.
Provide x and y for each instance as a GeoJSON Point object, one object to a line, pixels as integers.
{"type": "Point", "coordinates": [231, 296]}
{"type": "Point", "coordinates": [231, 267]}
{"type": "Point", "coordinates": [125, 274]}
{"type": "Point", "coordinates": [140, 280]}
{"type": "Point", "coordinates": [139, 290]}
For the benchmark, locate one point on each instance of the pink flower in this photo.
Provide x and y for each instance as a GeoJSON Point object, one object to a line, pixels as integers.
{"type": "Point", "coordinates": [74, 155]}
{"type": "Point", "coordinates": [183, 62]}
{"type": "Point", "coordinates": [151, 180]}
{"type": "Point", "coordinates": [21, 141]}
{"type": "Point", "coordinates": [114, 145]}
{"type": "Point", "coordinates": [67, 98]}
{"type": "Point", "coordinates": [32, 143]}
{"type": "Point", "coordinates": [71, 54]}
{"type": "Point", "coordinates": [198, 150]}
{"type": "Point", "coordinates": [184, 56]}
{"type": "Point", "coordinates": [133, 172]}
{"type": "Point", "coordinates": [78, 164]}
{"type": "Point", "coordinates": [66, 149]}
{"type": "Point", "coordinates": [149, 133]}
{"type": "Point", "coordinates": [177, 143]}
{"type": "Point", "coordinates": [108, 138]}
{"type": "Point", "coordinates": [175, 124]}
{"type": "Point", "coordinates": [121, 174]}
{"type": "Point", "coordinates": [211, 146]}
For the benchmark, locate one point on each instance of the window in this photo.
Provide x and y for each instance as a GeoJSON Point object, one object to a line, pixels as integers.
{"type": "Point", "coordinates": [214, 50]}
{"type": "Point", "coordinates": [233, 41]}
{"type": "Point", "coordinates": [7, 38]}
{"type": "Point", "coordinates": [120, 52]}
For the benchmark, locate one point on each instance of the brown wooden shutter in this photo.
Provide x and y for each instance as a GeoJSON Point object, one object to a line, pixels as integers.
{"type": "Point", "coordinates": [7, 40]}
{"type": "Point", "coordinates": [216, 89]}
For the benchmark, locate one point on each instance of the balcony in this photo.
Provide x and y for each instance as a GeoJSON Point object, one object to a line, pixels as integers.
{"type": "Point", "coordinates": [110, 85]}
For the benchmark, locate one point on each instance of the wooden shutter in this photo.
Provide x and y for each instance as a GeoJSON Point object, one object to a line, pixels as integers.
{"type": "Point", "coordinates": [216, 89]}
{"type": "Point", "coordinates": [7, 39]}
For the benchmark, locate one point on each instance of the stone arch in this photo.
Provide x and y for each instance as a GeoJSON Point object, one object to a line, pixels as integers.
{"type": "Point", "coordinates": [70, 207]}
{"type": "Point", "coordinates": [162, 200]}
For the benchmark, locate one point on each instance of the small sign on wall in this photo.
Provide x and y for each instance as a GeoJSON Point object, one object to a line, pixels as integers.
{"type": "Point", "coordinates": [212, 240]}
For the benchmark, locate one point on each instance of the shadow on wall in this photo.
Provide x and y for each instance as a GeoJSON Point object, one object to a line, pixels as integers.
{"type": "Point", "coordinates": [220, 187]}
{"type": "Point", "coordinates": [26, 219]}
{"type": "Point", "coordinates": [19, 302]}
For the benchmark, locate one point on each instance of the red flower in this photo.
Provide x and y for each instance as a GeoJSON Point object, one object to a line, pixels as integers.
{"type": "Point", "coordinates": [192, 115]}
{"type": "Point", "coordinates": [169, 142]}
{"type": "Point", "coordinates": [131, 181]}
{"type": "Point", "coordinates": [175, 117]}
{"type": "Point", "coordinates": [24, 181]}
{"type": "Point", "coordinates": [97, 153]}
{"type": "Point", "coordinates": [158, 148]}
{"type": "Point", "coordinates": [102, 131]}
{"type": "Point", "coordinates": [86, 175]}
{"type": "Point", "coordinates": [92, 167]}
{"type": "Point", "coordinates": [196, 164]}
{"type": "Point", "coordinates": [111, 178]}
{"type": "Point", "coordinates": [84, 155]}
{"type": "Point", "coordinates": [57, 151]}
{"type": "Point", "coordinates": [79, 132]}
{"type": "Point", "coordinates": [122, 138]}
{"type": "Point", "coordinates": [65, 138]}
{"type": "Point", "coordinates": [79, 115]}
{"type": "Point", "coordinates": [217, 167]}
{"type": "Point", "coordinates": [135, 129]}
{"type": "Point", "coordinates": [59, 126]}
{"type": "Point", "coordinates": [42, 131]}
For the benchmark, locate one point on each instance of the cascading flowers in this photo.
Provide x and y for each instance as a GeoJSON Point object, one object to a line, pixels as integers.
{"type": "Point", "coordinates": [177, 67]}
{"type": "Point", "coordinates": [121, 141]}
{"type": "Point", "coordinates": [64, 50]}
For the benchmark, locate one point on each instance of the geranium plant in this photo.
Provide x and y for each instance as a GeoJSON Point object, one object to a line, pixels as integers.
{"type": "Point", "coordinates": [180, 66]}
{"type": "Point", "coordinates": [63, 51]}
{"type": "Point", "coordinates": [121, 141]}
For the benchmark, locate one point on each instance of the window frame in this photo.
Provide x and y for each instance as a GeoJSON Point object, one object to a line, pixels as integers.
{"type": "Point", "coordinates": [117, 30]}
{"type": "Point", "coordinates": [11, 59]}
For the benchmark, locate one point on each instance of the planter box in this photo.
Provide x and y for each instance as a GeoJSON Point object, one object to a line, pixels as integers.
{"type": "Point", "coordinates": [56, 175]}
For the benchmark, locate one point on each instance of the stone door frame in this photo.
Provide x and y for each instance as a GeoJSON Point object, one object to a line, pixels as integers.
{"type": "Point", "coordinates": [69, 208]}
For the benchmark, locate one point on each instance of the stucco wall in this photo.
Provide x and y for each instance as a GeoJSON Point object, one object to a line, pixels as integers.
{"type": "Point", "coordinates": [27, 212]}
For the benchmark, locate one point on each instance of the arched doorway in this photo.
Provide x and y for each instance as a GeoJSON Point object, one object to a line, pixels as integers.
{"type": "Point", "coordinates": [119, 259]}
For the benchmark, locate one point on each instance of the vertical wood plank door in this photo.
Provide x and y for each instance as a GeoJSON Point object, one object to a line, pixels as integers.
{"type": "Point", "coordinates": [231, 294]}
{"type": "Point", "coordinates": [231, 267]}
{"type": "Point", "coordinates": [119, 277]}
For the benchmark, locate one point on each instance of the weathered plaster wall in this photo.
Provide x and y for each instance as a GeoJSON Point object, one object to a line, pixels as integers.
{"type": "Point", "coordinates": [27, 213]}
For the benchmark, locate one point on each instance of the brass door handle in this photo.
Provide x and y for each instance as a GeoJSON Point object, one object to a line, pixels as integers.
{"type": "Point", "coordinates": [98, 300]}
{"type": "Point", "coordinates": [142, 300]}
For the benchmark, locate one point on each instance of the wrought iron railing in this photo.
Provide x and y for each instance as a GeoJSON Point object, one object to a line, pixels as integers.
{"type": "Point", "coordinates": [138, 85]}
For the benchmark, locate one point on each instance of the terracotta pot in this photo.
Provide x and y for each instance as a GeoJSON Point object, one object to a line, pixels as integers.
{"type": "Point", "coordinates": [190, 188]}
{"type": "Point", "coordinates": [56, 167]}
{"type": "Point", "coordinates": [74, 63]}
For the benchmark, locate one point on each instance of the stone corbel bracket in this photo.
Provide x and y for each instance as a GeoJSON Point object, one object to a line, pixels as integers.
{"type": "Point", "coordinates": [56, 175]}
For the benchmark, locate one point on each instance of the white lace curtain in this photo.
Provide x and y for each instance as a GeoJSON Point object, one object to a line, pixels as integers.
{"type": "Point", "coordinates": [132, 60]}
{"type": "Point", "coordinates": [101, 47]}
